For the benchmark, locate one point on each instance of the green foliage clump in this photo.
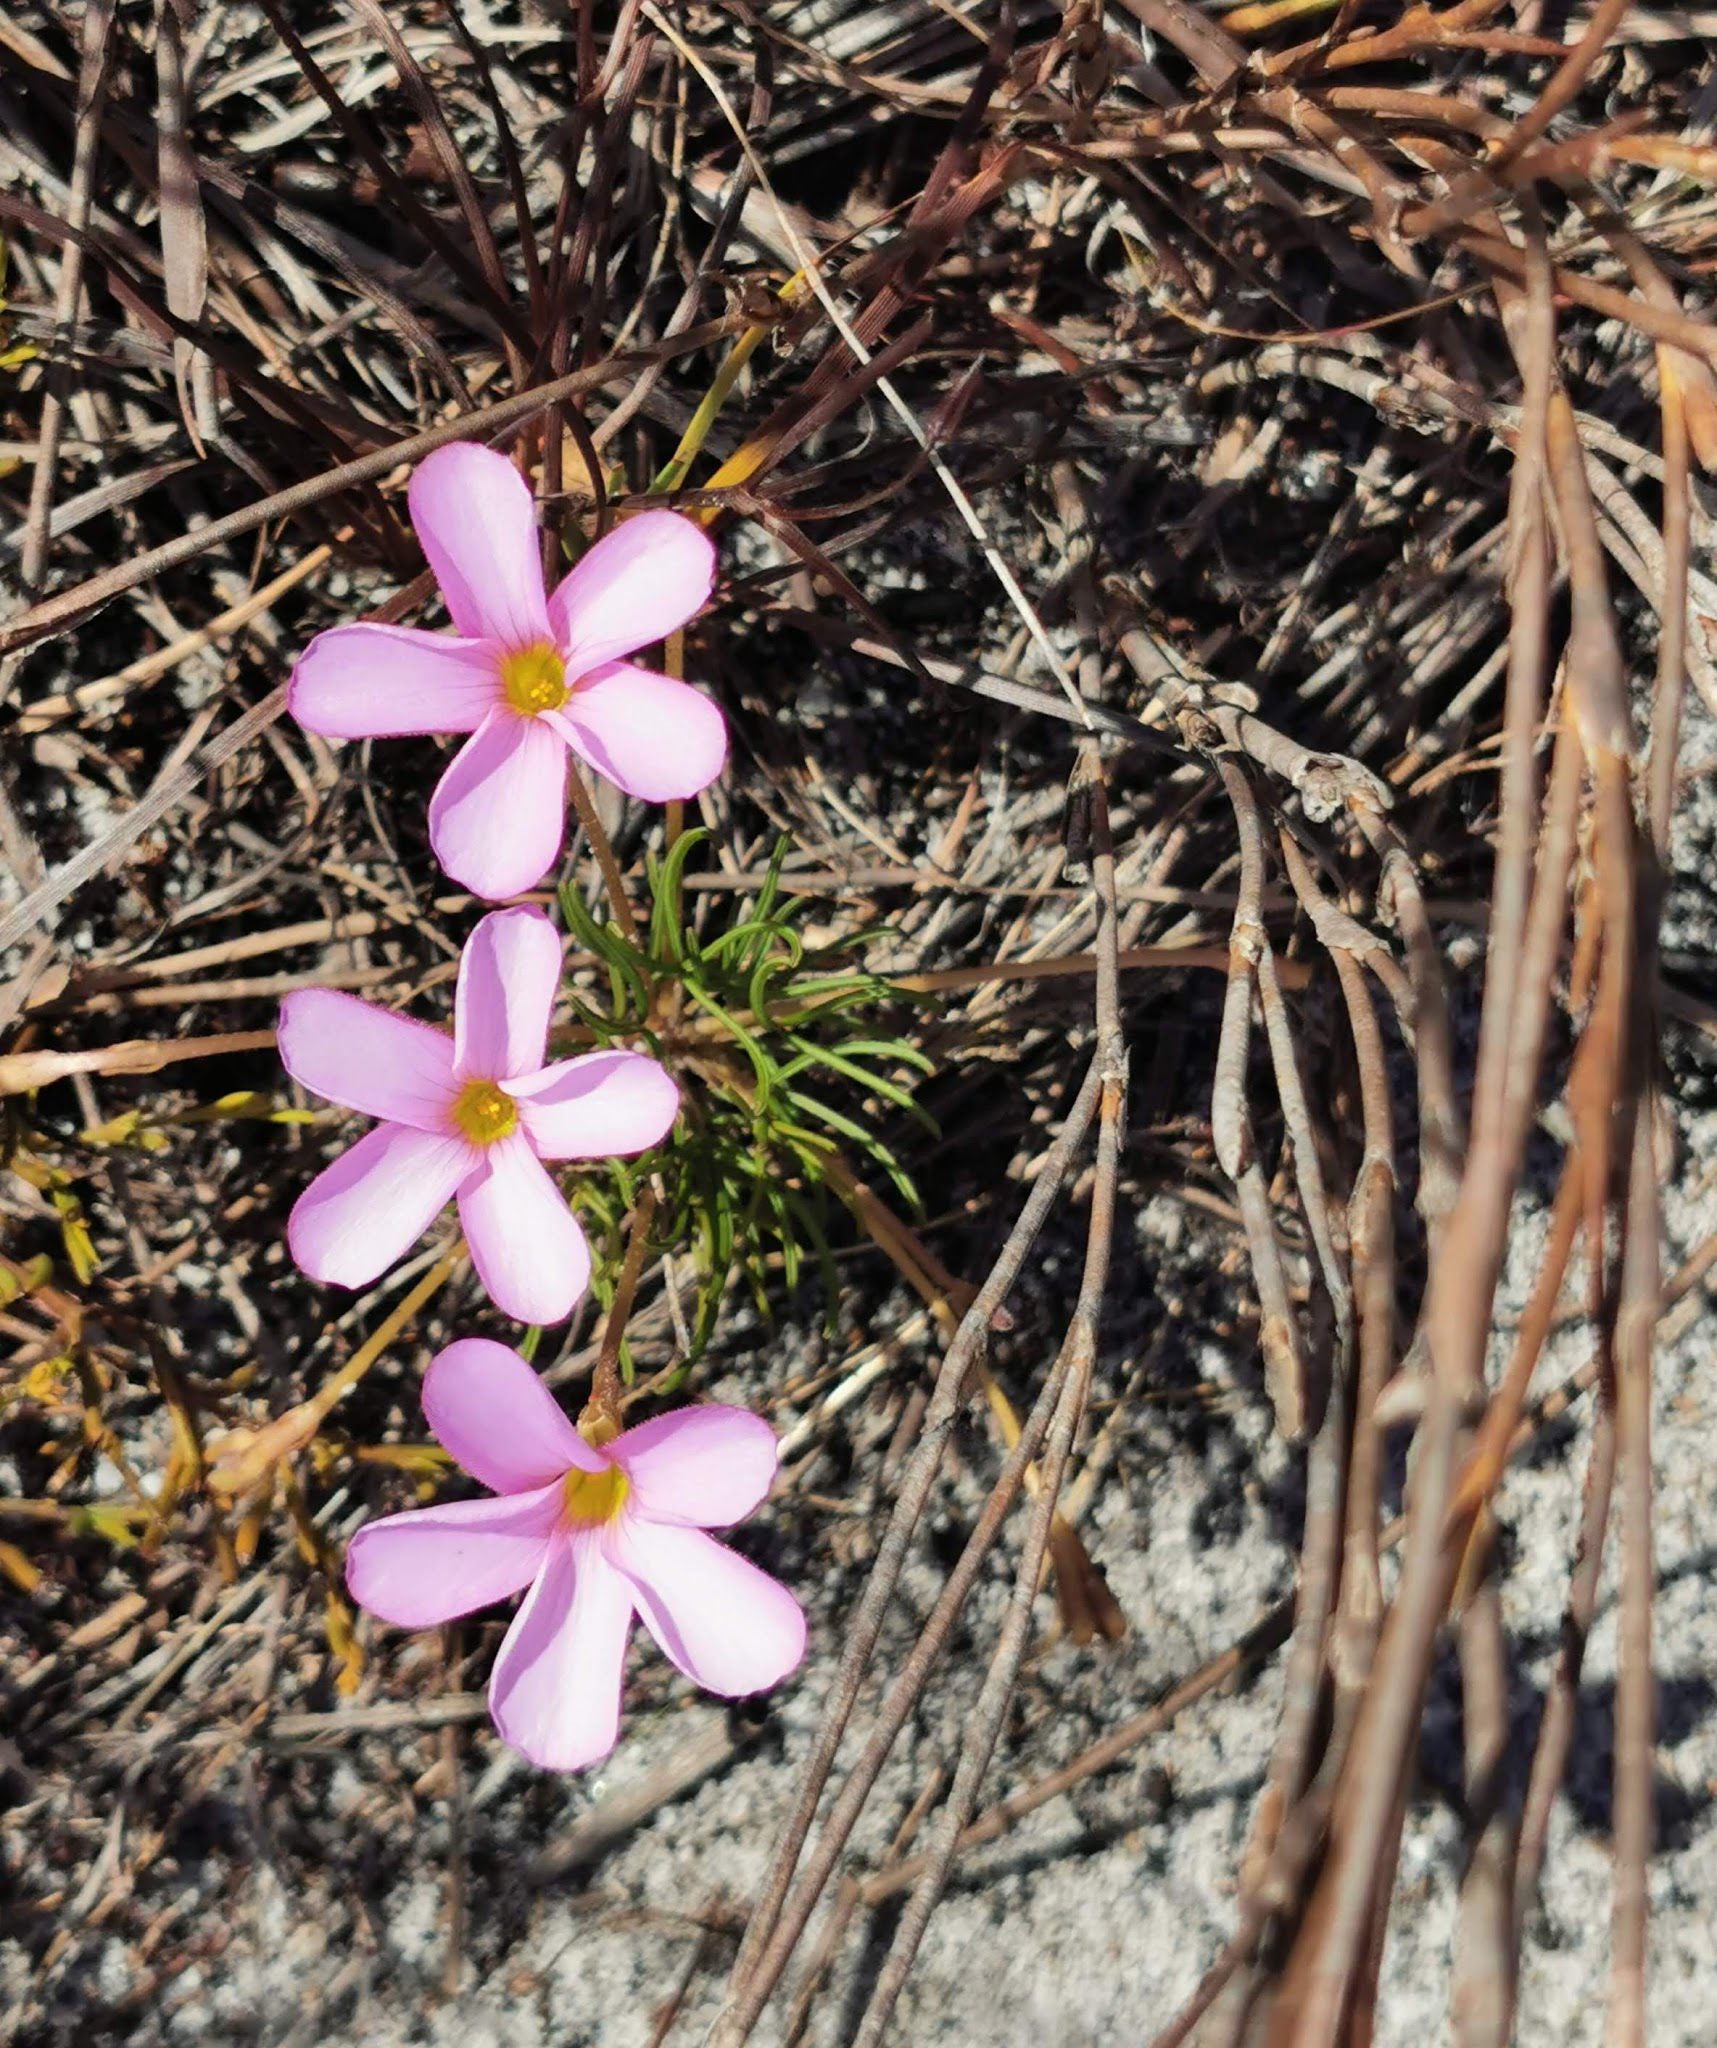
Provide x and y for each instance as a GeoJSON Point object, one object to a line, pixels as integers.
{"type": "Point", "coordinates": [764, 1028]}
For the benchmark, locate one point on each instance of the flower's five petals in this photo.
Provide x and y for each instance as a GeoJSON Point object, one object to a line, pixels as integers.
{"type": "Point", "coordinates": [524, 675]}
{"type": "Point", "coordinates": [472, 1116]}
{"type": "Point", "coordinates": [599, 1534]}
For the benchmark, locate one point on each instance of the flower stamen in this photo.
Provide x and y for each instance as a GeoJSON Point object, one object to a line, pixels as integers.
{"type": "Point", "coordinates": [593, 1498]}
{"type": "Point", "coordinates": [485, 1113]}
{"type": "Point", "coordinates": [533, 679]}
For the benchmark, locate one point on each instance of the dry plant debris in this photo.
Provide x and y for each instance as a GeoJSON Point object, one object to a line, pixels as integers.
{"type": "Point", "coordinates": [1213, 505]}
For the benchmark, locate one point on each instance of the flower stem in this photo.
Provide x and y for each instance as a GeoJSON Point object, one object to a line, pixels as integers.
{"type": "Point", "coordinates": [600, 1422]}
{"type": "Point", "coordinates": [603, 848]}
{"type": "Point", "coordinates": [674, 664]}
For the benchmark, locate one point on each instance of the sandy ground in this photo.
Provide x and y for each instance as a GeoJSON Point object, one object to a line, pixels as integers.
{"type": "Point", "coordinates": [1085, 1925]}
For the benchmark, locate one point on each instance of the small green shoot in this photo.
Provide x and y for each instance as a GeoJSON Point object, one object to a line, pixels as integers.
{"type": "Point", "coordinates": [787, 1058]}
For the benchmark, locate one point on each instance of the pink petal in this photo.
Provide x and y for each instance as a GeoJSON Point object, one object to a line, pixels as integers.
{"type": "Point", "coordinates": [636, 586]}
{"type": "Point", "coordinates": [434, 1564]}
{"type": "Point", "coordinates": [493, 1416]}
{"type": "Point", "coordinates": [555, 1693]}
{"type": "Point", "coordinates": [477, 522]}
{"type": "Point", "coordinates": [364, 1057]}
{"type": "Point", "coordinates": [729, 1627]}
{"type": "Point", "coordinates": [703, 1468]}
{"type": "Point", "coordinates": [376, 682]}
{"type": "Point", "coordinates": [358, 1215]}
{"type": "Point", "coordinates": [596, 1106]}
{"type": "Point", "coordinates": [497, 815]}
{"type": "Point", "coordinates": [525, 1242]}
{"type": "Point", "coordinates": [509, 973]}
{"type": "Point", "coordinates": [654, 737]}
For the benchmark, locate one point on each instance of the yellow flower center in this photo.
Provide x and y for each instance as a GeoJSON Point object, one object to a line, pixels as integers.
{"type": "Point", "coordinates": [593, 1498]}
{"type": "Point", "coordinates": [533, 679]}
{"type": "Point", "coordinates": [484, 1112]}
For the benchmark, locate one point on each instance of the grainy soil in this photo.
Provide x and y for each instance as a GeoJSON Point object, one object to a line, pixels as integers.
{"type": "Point", "coordinates": [1251, 391]}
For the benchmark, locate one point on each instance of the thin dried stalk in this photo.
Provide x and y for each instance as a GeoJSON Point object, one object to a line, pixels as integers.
{"type": "Point", "coordinates": [1371, 1240]}
{"type": "Point", "coordinates": [1231, 1119]}
{"type": "Point", "coordinates": [1482, 1994]}
{"type": "Point", "coordinates": [68, 290]}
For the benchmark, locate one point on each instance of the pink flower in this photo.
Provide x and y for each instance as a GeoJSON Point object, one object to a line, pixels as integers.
{"type": "Point", "coordinates": [526, 675]}
{"type": "Point", "coordinates": [472, 1116]}
{"type": "Point", "coordinates": [597, 1536]}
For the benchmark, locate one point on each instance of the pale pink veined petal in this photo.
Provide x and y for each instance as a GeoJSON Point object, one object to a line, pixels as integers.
{"type": "Point", "coordinates": [434, 1564]}
{"type": "Point", "coordinates": [728, 1626]}
{"type": "Point", "coordinates": [555, 1692]}
{"type": "Point", "coordinates": [526, 1244]}
{"type": "Point", "coordinates": [498, 814]}
{"type": "Point", "coordinates": [703, 1467]}
{"type": "Point", "coordinates": [639, 583]}
{"type": "Point", "coordinates": [378, 682]}
{"type": "Point", "coordinates": [598, 1106]}
{"type": "Point", "coordinates": [367, 1058]}
{"type": "Point", "coordinates": [495, 1418]}
{"type": "Point", "coordinates": [375, 1201]}
{"type": "Point", "coordinates": [477, 523]}
{"type": "Point", "coordinates": [509, 973]}
{"type": "Point", "coordinates": [653, 737]}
